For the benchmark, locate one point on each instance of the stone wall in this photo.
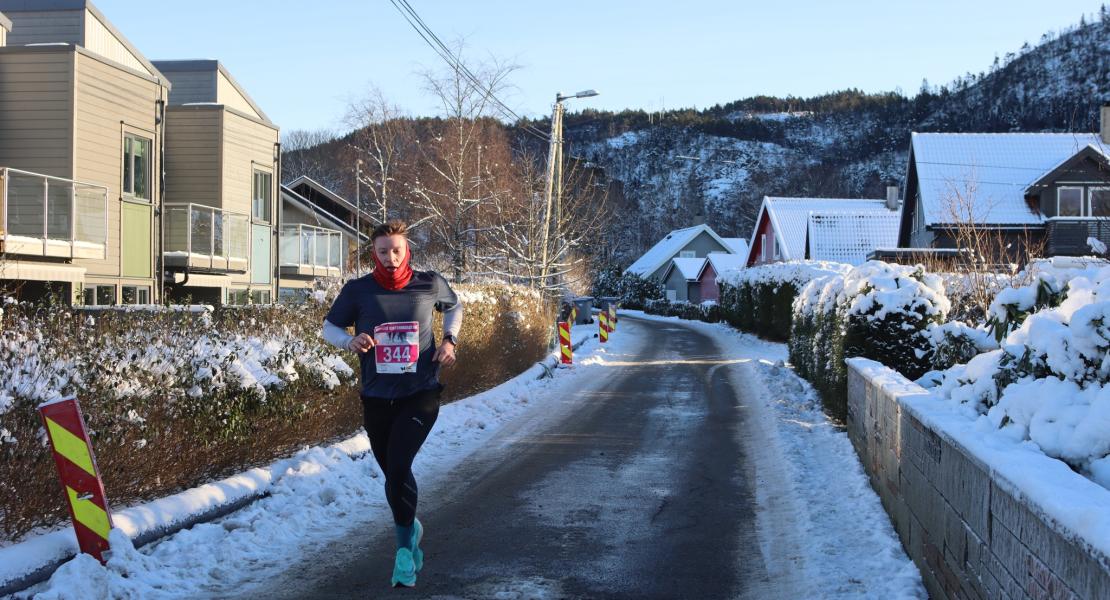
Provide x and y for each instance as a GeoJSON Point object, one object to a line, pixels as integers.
{"type": "Point", "coordinates": [970, 532]}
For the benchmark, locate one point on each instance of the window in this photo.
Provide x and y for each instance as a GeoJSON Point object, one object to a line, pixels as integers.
{"type": "Point", "coordinates": [100, 295]}
{"type": "Point", "coordinates": [136, 166]}
{"type": "Point", "coordinates": [1069, 202]}
{"type": "Point", "coordinates": [687, 254]}
{"type": "Point", "coordinates": [260, 296]}
{"type": "Point", "coordinates": [1100, 202]}
{"type": "Point", "coordinates": [763, 247]}
{"type": "Point", "coordinates": [136, 294]}
{"type": "Point", "coordinates": [237, 297]}
{"type": "Point", "coordinates": [261, 194]}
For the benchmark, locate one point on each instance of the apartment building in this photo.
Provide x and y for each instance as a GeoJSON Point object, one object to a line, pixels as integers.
{"type": "Point", "coordinates": [222, 173]}
{"type": "Point", "coordinates": [82, 115]}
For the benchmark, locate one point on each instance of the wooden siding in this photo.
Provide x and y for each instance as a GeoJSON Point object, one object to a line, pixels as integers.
{"type": "Point", "coordinates": [707, 285]}
{"type": "Point", "coordinates": [227, 95]}
{"type": "Point", "coordinates": [247, 145]}
{"type": "Point", "coordinates": [192, 86]}
{"type": "Point", "coordinates": [100, 39]}
{"type": "Point", "coordinates": [36, 110]}
{"type": "Point", "coordinates": [110, 101]}
{"type": "Point", "coordinates": [44, 27]}
{"type": "Point", "coordinates": [193, 172]}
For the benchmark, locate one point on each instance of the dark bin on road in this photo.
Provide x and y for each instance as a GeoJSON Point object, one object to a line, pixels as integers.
{"type": "Point", "coordinates": [585, 305]}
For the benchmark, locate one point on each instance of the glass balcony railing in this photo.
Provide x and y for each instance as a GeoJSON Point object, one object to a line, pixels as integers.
{"type": "Point", "coordinates": [310, 250]}
{"type": "Point", "coordinates": [204, 237]}
{"type": "Point", "coordinates": [41, 215]}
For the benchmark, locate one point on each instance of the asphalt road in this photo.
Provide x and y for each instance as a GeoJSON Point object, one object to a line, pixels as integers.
{"type": "Point", "coordinates": [642, 490]}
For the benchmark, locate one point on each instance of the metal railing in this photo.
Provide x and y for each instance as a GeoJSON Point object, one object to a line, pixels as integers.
{"type": "Point", "coordinates": [1067, 236]}
{"type": "Point", "coordinates": [200, 236]}
{"type": "Point", "coordinates": [43, 215]}
{"type": "Point", "coordinates": [311, 246]}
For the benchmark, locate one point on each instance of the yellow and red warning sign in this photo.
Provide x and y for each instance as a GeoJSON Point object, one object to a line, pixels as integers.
{"type": "Point", "coordinates": [564, 343]}
{"type": "Point", "coordinates": [84, 490]}
{"type": "Point", "coordinates": [603, 326]}
{"type": "Point", "coordinates": [612, 317]}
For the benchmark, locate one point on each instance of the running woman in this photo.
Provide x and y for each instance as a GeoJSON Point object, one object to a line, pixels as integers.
{"type": "Point", "coordinates": [391, 311]}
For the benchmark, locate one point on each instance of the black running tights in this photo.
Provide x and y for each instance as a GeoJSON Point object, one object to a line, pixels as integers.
{"type": "Point", "coordinates": [397, 428]}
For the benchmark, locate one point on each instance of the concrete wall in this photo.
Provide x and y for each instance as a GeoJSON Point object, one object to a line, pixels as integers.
{"type": "Point", "coordinates": [969, 531]}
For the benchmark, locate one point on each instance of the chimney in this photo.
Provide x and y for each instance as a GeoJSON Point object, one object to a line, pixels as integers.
{"type": "Point", "coordinates": [1104, 122]}
{"type": "Point", "coordinates": [893, 197]}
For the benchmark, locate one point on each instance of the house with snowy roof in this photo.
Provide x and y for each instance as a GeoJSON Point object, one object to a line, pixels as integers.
{"type": "Point", "coordinates": [695, 279]}
{"type": "Point", "coordinates": [691, 242]}
{"type": "Point", "coordinates": [1029, 187]}
{"type": "Point", "coordinates": [783, 230]}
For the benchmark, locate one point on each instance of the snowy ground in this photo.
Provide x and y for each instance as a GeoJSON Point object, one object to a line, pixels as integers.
{"type": "Point", "coordinates": [821, 526]}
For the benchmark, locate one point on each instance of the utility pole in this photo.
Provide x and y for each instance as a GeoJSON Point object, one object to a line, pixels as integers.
{"type": "Point", "coordinates": [358, 218]}
{"type": "Point", "coordinates": [555, 173]}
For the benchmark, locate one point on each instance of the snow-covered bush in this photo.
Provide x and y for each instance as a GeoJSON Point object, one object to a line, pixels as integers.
{"type": "Point", "coordinates": [760, 299]}
{"type": "Point", "coordinates": [1049, 382]}
{"type": "Point", "coordinates": [173, 398]}
{"type": "Point", "coordinates": [877, 311]}
{"type": "Point", "coordinates": [954, 343]}
{"type": "Point", "coordinates": [709, 312]}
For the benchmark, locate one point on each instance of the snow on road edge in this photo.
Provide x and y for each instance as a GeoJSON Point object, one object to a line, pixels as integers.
{"type": "Point", "coordinates": [823, 529]}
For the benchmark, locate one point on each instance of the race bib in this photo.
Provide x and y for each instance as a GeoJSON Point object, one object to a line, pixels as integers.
{"type": "Point", "coordinates": [397, 347]}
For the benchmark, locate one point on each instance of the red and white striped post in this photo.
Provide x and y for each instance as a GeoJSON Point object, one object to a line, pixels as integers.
{"type": "Point", "coordinates": [84, 490]}
{"type": "Point", "coordinates": [564, 343]}
{"type": "Point", "coordinates": [603, 326]}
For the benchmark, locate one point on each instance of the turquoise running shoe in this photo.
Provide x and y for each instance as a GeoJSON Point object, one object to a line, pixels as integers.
{"type": "Point", "coordinates": [404, 572]}
{"type": "Point", "coordinates": [417, 553]}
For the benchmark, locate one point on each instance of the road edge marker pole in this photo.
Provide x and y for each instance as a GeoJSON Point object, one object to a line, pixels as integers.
{"type": "Point", "coordinates": [79, 475]}
{"type": "Point", "coordinates": [565, 343]}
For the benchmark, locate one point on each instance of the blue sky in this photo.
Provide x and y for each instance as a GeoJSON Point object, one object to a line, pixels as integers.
{"type": "Point", "coordinates": [303, 62]}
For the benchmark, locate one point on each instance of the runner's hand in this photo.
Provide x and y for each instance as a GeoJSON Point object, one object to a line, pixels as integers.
{"type": "Point", "coordinates": [445, 354]}
{"type": "Point", "coordinates": [360, 343]}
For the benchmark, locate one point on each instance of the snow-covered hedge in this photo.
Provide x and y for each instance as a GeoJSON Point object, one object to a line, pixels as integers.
{"type": "Point", "coordinates": [760, 299]}
{"type": "Point", "coordinates": [877, 311]}
{"type": "Point", "coordinates": [174, 398]}
{"type": "Point", "coordinates": [1049, 383]}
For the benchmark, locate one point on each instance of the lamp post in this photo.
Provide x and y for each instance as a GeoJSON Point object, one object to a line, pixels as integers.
{"type": "Point", "coordinates": [555, 173]}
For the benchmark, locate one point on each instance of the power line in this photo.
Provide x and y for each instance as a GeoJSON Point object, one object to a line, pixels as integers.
{"type": "Point", "coordinates": [436, 44]}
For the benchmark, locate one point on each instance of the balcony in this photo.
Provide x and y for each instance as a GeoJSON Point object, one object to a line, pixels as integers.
{"type": "Point", "coordinates": [1067, 236]}
{"type": "Point", "coordinates": [310, 251]}
{"type": "Point", "coordinates": [47, 216]}
{"type": "Point", "coordinates": [206, 239]}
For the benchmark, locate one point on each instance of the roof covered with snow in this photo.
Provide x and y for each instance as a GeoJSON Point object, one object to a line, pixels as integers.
{"type": "Point", "coordinates": [983, 176]}
{"type": "Point", "coordinates": [668, 247]}
{"type": "Point", "coordinates": [790, 218]}
{"type": "Point", "coordinates": [690, 268]}
{"type": "Point", "coordinates": [724, 262]}
{"type": "Point", "coordinates": [737, 245]}
{"type": "Point", "coordinates": [848, 237]}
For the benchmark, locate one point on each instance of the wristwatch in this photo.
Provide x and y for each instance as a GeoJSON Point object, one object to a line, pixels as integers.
{"type": "Point", "coordinates": [450, 338]}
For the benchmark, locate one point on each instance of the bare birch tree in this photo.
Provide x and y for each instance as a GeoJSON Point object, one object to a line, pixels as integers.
{"type": "Point", "coordinates": [383, 140]}
{"type": "Point", "coordinates": [449, 189]}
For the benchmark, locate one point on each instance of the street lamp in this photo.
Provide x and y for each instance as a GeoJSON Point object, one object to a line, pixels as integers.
{"type": "Point", "coordinates": [555, 163]}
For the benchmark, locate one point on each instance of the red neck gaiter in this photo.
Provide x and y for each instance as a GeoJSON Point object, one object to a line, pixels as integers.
{"type": "Point", "coordinates": [396, 279]}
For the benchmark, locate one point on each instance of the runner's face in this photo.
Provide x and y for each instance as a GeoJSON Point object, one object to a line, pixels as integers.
{"type": "Point", "coordinates": [391, 250]}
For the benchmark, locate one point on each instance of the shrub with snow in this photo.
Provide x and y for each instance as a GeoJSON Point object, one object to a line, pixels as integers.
{"type": "Point", "coordinates": [1049, 382]}
{"type": "Point", "coordinates": [760, 299]}
{"type": "Point", "coordinates": [877, 311]}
